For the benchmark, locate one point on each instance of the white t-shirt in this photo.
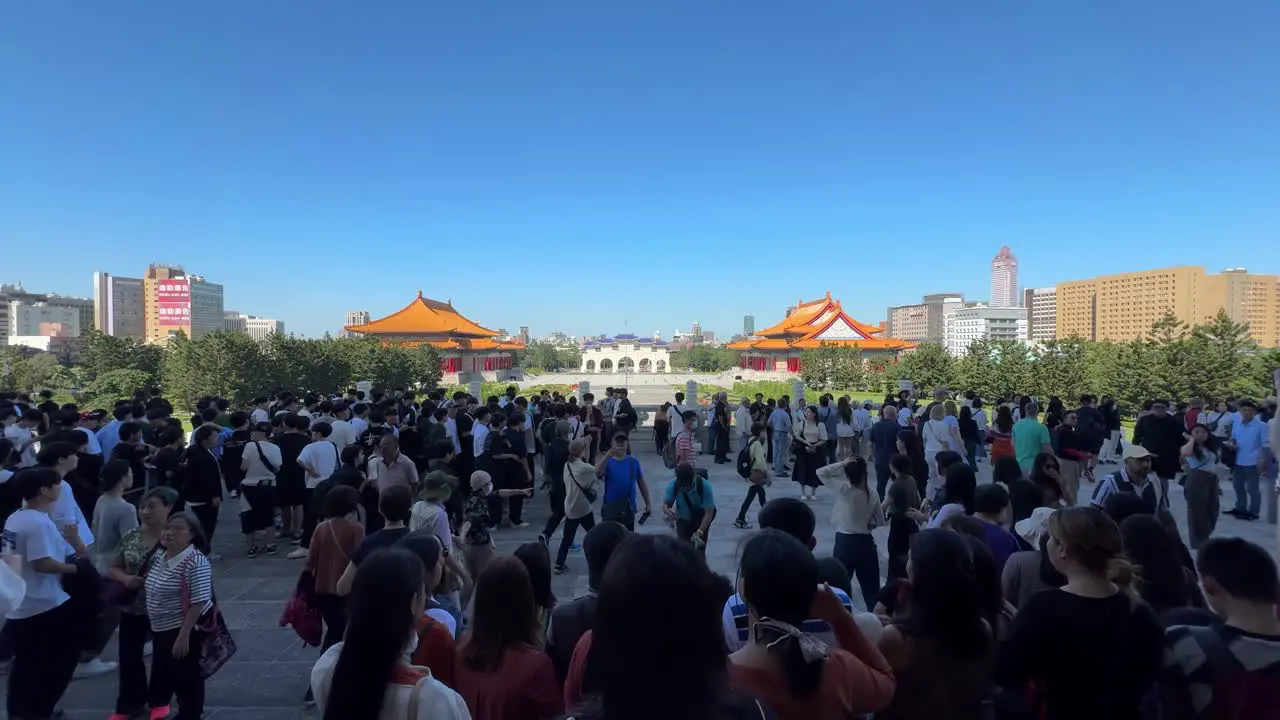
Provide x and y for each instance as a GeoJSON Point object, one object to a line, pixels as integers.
{"type": "Point", "coordinates": [434, 700]}
{"type": "Point", "coordinates": [20, 436]}
{"type": "Point", "coordinates": [34, 536]}
{"type": "Point", "coordinates": [255, 471]}
{"type": "Point", "coordinates": [259, 416]}
{"type": "Point", "coordinates": [673, 418]}
{"type": "Point", "coordinates": [94, 447]}
{"type": "Point", "coordinates": [343, 434]}
{"type": "Point", "coordinates": [358, 426]}
{"type": "Point", "coordinates": [479, 434]}
{"type": "Point", "coordinates": [65, 511]}
{"type": "Point", "coordinates": [321, 455]}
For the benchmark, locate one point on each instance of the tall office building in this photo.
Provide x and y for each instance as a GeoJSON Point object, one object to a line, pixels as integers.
{"type": "Point", "coordinates": [1042, 313]}
{"type": "Point", "coordinates": [255, 327]}
{"type": "Point", "coordinates": [523, 335]}
{"type": "Point", "coordinates": [748, 325]}
{"type": "Point", "coordinates": [118, 309]}
{"type": "Point", "coordinates": [174, 300]}
{"type": "Point", "coordinates": [1004, 279]}
{"type": "Point", "coordinates": [969, 324]}
{"type": "Point", "coordinates": [924, 321]}
{"type": "Point", "coordinates": [355, 317]}
{"type": "Point", "coordinates": [22, 313]}
{"type": "Point", "coordinates": [1125, 306]}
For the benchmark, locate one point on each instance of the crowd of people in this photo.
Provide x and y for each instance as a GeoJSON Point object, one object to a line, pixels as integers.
{"type": "Point", "coordinates": [1009, 599]}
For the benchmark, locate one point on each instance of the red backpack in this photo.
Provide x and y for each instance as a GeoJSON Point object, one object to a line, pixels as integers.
{"type": "Point", "coordinates": [1238, 692]}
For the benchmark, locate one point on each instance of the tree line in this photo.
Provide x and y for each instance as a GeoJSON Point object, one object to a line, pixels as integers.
{"type": "Point", "coordinates": [1212, 361]}
{"type": "Point", "coordinates": [225, 364]}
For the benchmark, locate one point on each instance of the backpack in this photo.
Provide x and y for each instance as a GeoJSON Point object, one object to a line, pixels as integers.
{"type": "Point", "coordinates": [1238, 692]}
{"type": "Point", "coordinates": [669, 453]}
{"type": "Point", "coordinates": [744, 460]}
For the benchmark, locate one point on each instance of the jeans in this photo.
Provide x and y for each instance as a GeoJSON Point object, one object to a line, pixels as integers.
{"type": "Point", "coordinates": [1246, 480]}
{"type": "Point", "coordinates": [587, 522]}
{"type": "Point", "coordinates": [713, 434]}
{"type": "Point", "coordinates": [858, 554]}
{"type": "Point", "coordinates": [753, 491]}
{"type": "Point", "coordinates": [781, 448]}
{"type": "Point", "coordinates": [132, 695]}
{"type": "Point", "coordinates": [46, 649]}
{"type": "Point", "coordinates": [177, 676]}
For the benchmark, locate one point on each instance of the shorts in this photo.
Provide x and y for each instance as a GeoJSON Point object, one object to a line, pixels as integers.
{"type": "Point", "coordinates": [290, 491]}
{"type": "Point", "coordinates": [262, 508]}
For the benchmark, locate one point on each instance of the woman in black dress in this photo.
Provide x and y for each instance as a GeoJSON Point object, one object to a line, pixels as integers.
{"type": "Point", "coordinates": [809, 443]}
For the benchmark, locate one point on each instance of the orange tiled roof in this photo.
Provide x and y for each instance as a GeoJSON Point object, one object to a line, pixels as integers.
{"type": "Point", "coordinates": [424, 317]}
{"type": "Point", "coordinates": [465, 344]}
{"type": "Point", "coordinates": [820, 321]}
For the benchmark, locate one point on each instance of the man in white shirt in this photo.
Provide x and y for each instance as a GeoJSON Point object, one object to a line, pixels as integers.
{"type": "Point", "coordinates": [318, 460]}
{"type": "Point", "coordinates": [259, 414]}
{"type": "Point", "coordinates": [451, 428]}
{"type": "Point", "coordinates": [259, 464]}
{"type": "Point", "coordinates": [358, 423]}
{"type": "Point", "coordinates": [343, 434]}
{"type": "Point", "coordinates": [479, 432]}
{"type": "Point", "coordinates": [676, 412]}
{"type": "Point", "coordinates": [20, 432]}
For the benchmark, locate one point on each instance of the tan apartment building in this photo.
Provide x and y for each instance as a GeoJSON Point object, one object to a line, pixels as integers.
{"type": "Point", "coordinates": [174, 300]}
{"type": "Point", "coordinates": [1125, 306]}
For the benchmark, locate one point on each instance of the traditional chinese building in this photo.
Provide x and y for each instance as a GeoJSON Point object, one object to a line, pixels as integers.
{"type": "Point", "coordinates": [809, 325]}
{"type": "Point", "coordinates": [468, 351]}
{"type": "Point", "coordinates": [626, 354]}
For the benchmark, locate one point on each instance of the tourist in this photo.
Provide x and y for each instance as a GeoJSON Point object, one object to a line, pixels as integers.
{"type": "Point", "coordinates": [909, 444]}
{"type": "Point", "coordinates": [179, 590]}
{"type": "Point", "coordinates": [1227, 669]}
{"type": "Point", "coordinates": [132, 450]}
{"type": "Point", "coordinates": [624, 414]}
{"type": "Point", "coordinates": [622, 475]}
{"type": "Point", "coordinates": [656, 618]}
{"type": "Point", "coordinates": [392, 468]}
{"type": "Point", "coordinates": [1028, 572]}
{"type": "Point", "coordinates": [855, 514]}
{"type": "Point", "coordinates": [1072, 451]}
{"type": "Point", "coordinates": [979, 415]}
{"type": "Point", "coordinates": [684, 440]}
{"type": "Point", "coordinates": [1200, 459]}
{"type": "Point", "coordinates": [758, 474]}
{"type": "Point", "coordinates": [20, 430]}
{"type": "Point", "coordinates": [570, 620]}
{"type": "Point", "coordinates": [662, 427]}
{"type": "Point", "coordinates": [970, 436]}
{"type": "Point", "coordinates": [960, 484]}
{"type": "Point", "coordinates": [1134, 478]}
{"type": "Point", "coordinates": [436, 627]}
{"type": "Point", "coordinates": [259, 463]}
{"type": "Point", "coordinates": [1047, 476]}
{"type": "Point", "coordinates": [166, 462]}
{"type": "Point", "coordinates": [202, 485]}
{"type": "Point", "coordinates": [780, 424]}
{"type": "Point", "coordinates": [42, 627]}
{"type": "Point", "coordinates": [291, 481]}
{"type": "Point", "coordinates": [810, 444]}
{"type": "Point", "coordinates": [784, 666]}
{"type": "Point", "coordinates": [902, 508]}
{"type": "Point", "coordinates": [991, 509]}
{"type": "Point", "coordinates": [502, 673]}
{"type": "Point", "coordinates": [113, 516]}
{"type": "Point", "coordinates": [690, 504]}
{"type": "Point", "coordinates": [844, 429]}
{"type": "Point", "coordinates": [593, 423]}
{"type": "Point", "coordinates": [477, 526]}
{"type": "Point", "coordinates": [939, 646]}
{"type": "Point", "coordinates": [830, 419]}
{"type": "Point", "coordinates": [366, 675]}
{"type": "Point", "coordinates": [394, 505]}
{"type": "Point", "coordinates": [742, 423]}
{"type": "Point", "coordinates": [1162, 435]}
{"type": "Point", "coordinates": [337, 538]}
{"type": "Point", "coordinates": [318, 460]}
{"type": "Point", "coordinates": [1165, 583]}
{"type": "Point", "coordinates": [428, 513]}
{"type": "Point", "coordinates": [1247, 440]}
{"type": "Point", "coordinates": [1000, 434]}
{"type": "Point", "coordinates": [580, 489]}
{"type": "Point", "coordinates": [1024, 496]}
{"type": "Point", "coordinates": [884, 445]}
{"type": "Point", "coordinates": [537, 561]}
{"type": "Point", "coordinates": [128, 567]}
{"type": "Point", "coordinates": [109, 434]}
{"type": "Point", "coordinates": [1092, 633]}
{"type": "Point", "coordinates": [1030, 437]}
{"type": "Point", "coordinates": [795, 518]}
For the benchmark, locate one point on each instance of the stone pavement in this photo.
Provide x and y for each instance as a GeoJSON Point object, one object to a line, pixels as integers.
{"type": "Point", "coordinates": [269, 676]}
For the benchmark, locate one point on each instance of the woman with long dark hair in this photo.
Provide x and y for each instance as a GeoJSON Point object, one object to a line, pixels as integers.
{"type": "Point", "coordinates": [779, 580]}
{"type": "Point", "coordinates": [855, 513]}
{"type": "Point", "coordinates": [844, 428]}
{"type": "Point", "coordinates": [941, 648]}
{"type": "Point", "coordinates": [1200, 458]}
{"type": "Point", "coordinates": [502, 672]}
{"type": "Point", "coordinates": [1000, 434]}
{"type": "Point", "coordinates": [537, 561]}
{"type": "Point", "coordinates": [957, 494]}
{"type": "Point", "coordinates": [1046, 475]}
{"type": "Point", "coordinates": [658, 617]}
{"type": "Point", "coordinates": [909, 444]}
{"type": "Point", "coordinates": [1024, 496]}
{"type": "Point", "coordinates": [1089, 649]}
{"type": "Point", "coordinates": [1162, 580]}
{"type": "Point", "coordinates": [366, 675]}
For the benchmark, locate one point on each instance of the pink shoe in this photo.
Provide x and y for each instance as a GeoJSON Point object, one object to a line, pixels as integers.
{"type": "Point", "coordinates": [160, 713]}
{"type": "Point", "coordinates": [118, 716]}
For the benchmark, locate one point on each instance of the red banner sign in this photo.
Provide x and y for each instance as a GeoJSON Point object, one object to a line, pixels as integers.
{"type": "Point", "coordinates": [173, 302]}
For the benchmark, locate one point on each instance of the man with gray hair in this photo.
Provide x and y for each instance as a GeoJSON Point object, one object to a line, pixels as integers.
{"type": "Point", "coordinates": [1030, 438]}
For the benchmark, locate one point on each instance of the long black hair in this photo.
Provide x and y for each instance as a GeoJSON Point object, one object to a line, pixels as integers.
{"type": "Point", "coordinates": [779, 576]}
{"type": "Point", "coordinates": [945, 597]}
{"type": "Point", "coordinates": [658, 616]}
{"type": "Point", "coordinates": [380, 622]}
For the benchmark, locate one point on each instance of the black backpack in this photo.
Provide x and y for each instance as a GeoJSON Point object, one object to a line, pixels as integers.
{"type": "Point", "coordinates": [744, 460]}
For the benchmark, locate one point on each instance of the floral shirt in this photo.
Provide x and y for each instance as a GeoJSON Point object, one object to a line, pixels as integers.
{"type": "Point", "coordinates": [133, 552]}
{"type": "Point", "coordinates": [476, 512]}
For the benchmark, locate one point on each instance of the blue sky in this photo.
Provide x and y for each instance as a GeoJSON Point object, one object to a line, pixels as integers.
{"type": "Point", "coordinates": [570, 165]}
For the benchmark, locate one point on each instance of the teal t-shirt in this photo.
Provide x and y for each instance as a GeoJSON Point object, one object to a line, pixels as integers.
{"type": "Point", "coordinates": [690, 502]}
{"type": "Point", "coordinates": [1029, 439]}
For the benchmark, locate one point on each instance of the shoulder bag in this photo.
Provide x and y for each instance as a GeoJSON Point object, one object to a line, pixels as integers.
{"type": "Point", "coordinates": [267, 463]}
{"type": "Point", "coordinates": [587, 492]}
{"type": "Point", "coordinates": [216, 644]}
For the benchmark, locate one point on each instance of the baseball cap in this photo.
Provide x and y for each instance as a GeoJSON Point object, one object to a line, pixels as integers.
{"type": "Point", "coordinates": [1136, 452]}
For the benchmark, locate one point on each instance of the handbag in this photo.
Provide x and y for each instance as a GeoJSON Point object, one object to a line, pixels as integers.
{"type": "Point", "coordinates": [216, 644]}
{"type": "Point", "coordinates": [620, 510]}
{"type": "Point", "coordinates": [588, 492]}
{"type": "Point", "coordinates": [301, 613]}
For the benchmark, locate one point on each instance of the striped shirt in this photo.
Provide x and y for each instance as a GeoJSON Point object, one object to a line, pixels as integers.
{"type": "Point", "coordinates": [685, 452]}
{"type": "Point", "coordinates": [166, 579]}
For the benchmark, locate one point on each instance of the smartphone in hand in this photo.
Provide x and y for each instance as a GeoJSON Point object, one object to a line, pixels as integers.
{"type": "Point", "coordinates": [644, 517]}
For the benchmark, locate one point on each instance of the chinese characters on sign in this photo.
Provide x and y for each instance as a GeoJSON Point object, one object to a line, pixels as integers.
{"type": "Point", "coordinates": [173, 302]}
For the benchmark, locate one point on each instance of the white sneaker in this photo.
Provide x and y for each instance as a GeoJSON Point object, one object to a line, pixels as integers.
{"type": "Point", "coordinates": [297, 554]}
{"type": "Point", "coordinates": [94, 667]}
{"type": "Point", "coordinates": [146, 649]}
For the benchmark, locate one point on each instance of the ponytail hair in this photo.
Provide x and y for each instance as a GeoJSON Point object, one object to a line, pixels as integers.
{"type": "Point", "coordinates": [1124, 574]}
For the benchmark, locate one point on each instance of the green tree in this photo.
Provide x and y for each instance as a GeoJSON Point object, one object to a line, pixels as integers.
{"type": "Point", "coordinates": [1059, 369]}
{"type": "Point", "coordinates": [541, 356]}
{"type": "Point", "coordinates": [995, 369]}
{"type": "Point", "coordinates": [929, 367]}
{"type": "Point", "coordinates": [224, 364]}
{"type": "Point", "coordinates": [704, 358]}
{"type": "Point", "coordinates": [832, 367]}
{"type": "Point", "coordinates": [1172, 356]}
{"type": "Point", "coordinates": [1221, 351]}
{"type": "Point", "coordinates": [101, 354]}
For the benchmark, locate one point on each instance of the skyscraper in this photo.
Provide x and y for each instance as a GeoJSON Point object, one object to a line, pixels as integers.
{"type": "Point", "coordinates": [748, 325]}
{"type": "Point", "coordinates": [174, 300]}
{"type": "Point", "coordinates": [117, 306]}
{"type": "Point", "coordinates": [1004, 279]}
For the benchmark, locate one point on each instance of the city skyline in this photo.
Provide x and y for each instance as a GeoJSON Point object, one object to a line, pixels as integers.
{"type": "Point", "coordinates": [660, 143]}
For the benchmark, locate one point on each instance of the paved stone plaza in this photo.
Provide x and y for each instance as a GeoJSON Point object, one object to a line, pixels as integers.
{"type": "Point", "coordinates": [269, 676]}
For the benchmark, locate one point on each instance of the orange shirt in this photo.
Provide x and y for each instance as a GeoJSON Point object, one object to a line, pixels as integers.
{"type": "Point", "coordinates": [435, 650]}
{"type": "Point", "coordinates": [524, 687]}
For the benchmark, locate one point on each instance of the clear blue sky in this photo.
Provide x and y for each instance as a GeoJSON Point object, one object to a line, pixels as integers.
{"type": "Point", "coordinates": [569, 164]}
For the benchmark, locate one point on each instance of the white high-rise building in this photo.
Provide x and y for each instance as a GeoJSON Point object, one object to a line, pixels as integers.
{"type": "Point", "coordinates": [1042, 313]}
{"type": "Point", "coordinates": [355, 317]}
{"type": "Point", "coordinates": [965, 325]}
{"type": "Point", "coordinates": [256, 327]}
{"type": "Point", "coordinates": [1004, 280]}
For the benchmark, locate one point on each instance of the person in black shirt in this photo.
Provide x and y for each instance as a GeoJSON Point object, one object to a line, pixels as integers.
{"type": "Point", "coordinates": [233, 451]}
{"type": "Point", "coordinates": [506, 454]}
{"type": "Point", "coordinates": [291, 481]}
{"type": "Point", "coordinates": [1161, 434]}
{"type": "Point", "coordinates": [202, 480]}
{"type": "Point", "coordinates": [132, 450]}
